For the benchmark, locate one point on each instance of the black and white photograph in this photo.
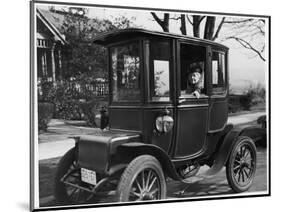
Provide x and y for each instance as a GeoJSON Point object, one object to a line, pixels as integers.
{"type": "Point", "coordinates": [135, 105]}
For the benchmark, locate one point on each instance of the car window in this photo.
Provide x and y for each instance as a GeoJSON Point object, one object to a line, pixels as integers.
{"type": "Point", "coordinates": [218, 73]}
{"type": "Point", "coordinates": [192, 64]}
{"type": "Point", "coordinates": [125, 66]}
{"type": "Point", "coordinates": [160, 71]}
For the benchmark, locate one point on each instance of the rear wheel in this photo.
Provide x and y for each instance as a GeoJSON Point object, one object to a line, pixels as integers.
{"type": "Point", "coordinates": [241, 165]}
{"type": "Point", "coordinates": [142, 180]}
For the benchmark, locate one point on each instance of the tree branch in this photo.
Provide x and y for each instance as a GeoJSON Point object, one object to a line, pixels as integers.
{"type": "Point", "coordinates": [218, 29]}
{"type": "Point", "coordinates": [158, 20]}
{"type": "Point", "coordinates": [201, 19]}
{"type": "Point", "coordinates": [247, 45]}
{"type": "Point", "coordinates": [238, 22]}
{"type": "Point", "coordinates": [163, 23]}
{"type": "Point", "coordinates": [189, 20]}
{"type": "Point", "coordinates": [175, 18]}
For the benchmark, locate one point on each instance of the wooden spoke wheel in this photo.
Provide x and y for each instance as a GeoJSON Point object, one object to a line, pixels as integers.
{"type": "Point", "coordinates": [69, 172]}
{"type": "Point", "coordinates": [241, 165]}
{"type": "Point", "coordinates": [142, 180]}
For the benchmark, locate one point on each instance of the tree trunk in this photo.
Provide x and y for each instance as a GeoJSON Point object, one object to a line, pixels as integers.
{"type": "Point", "coordinates": [209, 27]}
{"type": "Point", "coordinates": [183, 25]}
{"type": "Point", "coordinates": [196, 25]}
{"type": "Point", "coordinates": [165, 23]}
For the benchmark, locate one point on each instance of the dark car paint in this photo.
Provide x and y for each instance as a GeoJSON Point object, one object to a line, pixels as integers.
{"type": "Point", "coordinates": [198, 122]}
{"type": "Point", "coordinates": [227, 137]}
{"type": "Point", "coordinates": [95, 151]}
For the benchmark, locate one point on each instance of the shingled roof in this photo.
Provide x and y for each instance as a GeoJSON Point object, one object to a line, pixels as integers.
{"type": "Point", "coordinates": [54, 23]}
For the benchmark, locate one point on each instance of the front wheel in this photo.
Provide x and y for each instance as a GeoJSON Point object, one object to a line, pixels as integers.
{"type": "Point", "coordinates": [241, 165]}
{"type": "Point", "coordinates": [69, 172]}
{"type": "Point", "coordinates": [142, 180]}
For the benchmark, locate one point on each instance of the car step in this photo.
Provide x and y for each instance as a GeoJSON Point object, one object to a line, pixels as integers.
{"type": "Point", "coordinates": [194, 179]}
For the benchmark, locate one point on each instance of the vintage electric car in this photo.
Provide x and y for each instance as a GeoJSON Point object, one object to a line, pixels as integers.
{"type": "Point", "coordinates": [156, 126]}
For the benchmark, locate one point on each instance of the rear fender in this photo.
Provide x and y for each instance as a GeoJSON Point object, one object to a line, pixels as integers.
{"type": "Point", "coordinates": [225, 147]}
{"type": "Point", "coordinates": [135, 149]}
{"type": "Point", "coordinates": [224, 150]}
{"type": "Point", "coordinates": [258, 134]}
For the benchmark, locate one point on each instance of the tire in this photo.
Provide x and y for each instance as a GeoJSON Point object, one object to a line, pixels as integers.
{"type": "Point", "coordinates": [66, 194]}
{"type": "Point", "coordinates": [241, 164]}
{"type": "Point", "coordinates": [132, 187]}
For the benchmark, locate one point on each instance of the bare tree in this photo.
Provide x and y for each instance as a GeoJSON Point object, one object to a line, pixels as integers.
{"type": "Point", "coordinates": [163, 23]}
{"type": "Point", "coordinates": [249, 33]}
{"type": "Point", "coordinates": [196, 21]}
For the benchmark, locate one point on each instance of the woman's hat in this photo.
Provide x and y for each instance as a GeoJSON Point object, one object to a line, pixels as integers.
{"type": "Point", "coordinates": [196, 69]}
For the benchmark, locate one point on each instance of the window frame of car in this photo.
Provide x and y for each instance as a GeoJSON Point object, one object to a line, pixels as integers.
{"type": "Point", "coordinates": [148, 62]}
{"type": "Point", "coordinates": [141, 71]}
{"type": "Point", "coordinates": [225, 87]}
{"type": "Point", "coordinates": [206, 71]}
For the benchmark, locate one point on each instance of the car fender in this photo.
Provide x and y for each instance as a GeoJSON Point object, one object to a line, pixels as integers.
{"type": "Point", "coordinates": [258, 134]}
{"type": "Point", "coordinates": [95, 151]}
{"type": "Point", "coordinates": [136, 149]}
{"type": "Point", "coordinates": [224, 150]}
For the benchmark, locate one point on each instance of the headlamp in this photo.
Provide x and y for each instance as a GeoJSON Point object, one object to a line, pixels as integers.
{"type": "Point", "coordinates": [164, 123]}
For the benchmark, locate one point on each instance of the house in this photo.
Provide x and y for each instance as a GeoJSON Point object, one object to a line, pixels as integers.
{"type": "Point", "coordinates": [52, 48]}
{"type": "Point", "coordinates": [54, 54]}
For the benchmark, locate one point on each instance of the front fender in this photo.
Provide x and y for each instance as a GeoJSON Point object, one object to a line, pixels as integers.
{"type": "Point", "coordinates": [135, 149]}
{"type": "Point", "coordinates": [95, 151]}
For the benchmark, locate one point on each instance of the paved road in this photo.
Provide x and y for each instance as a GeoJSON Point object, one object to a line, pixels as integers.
{"type": "Point", "coordinates": [51, 150]}
{"type": "Point", "coordinates": [216, 185]}
{"type": "Point", "coordinates": [55, 142]}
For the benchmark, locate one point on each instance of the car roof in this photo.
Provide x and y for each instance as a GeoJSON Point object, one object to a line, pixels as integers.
{"type": "Point", "coordinates": [130, 33]}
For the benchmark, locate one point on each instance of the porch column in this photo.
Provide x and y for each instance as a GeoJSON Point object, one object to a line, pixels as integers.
{"type": "Point", "coordinates": [53, 62]}
{"type": "Point", "coordinates": [60, 64]}
{"type": "Point", "coordinates": [44, 64]}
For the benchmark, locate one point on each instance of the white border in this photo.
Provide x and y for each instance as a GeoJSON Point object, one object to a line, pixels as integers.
{"type": "Point", "coordinates": [36, 192]}
{"type": "Point", "coordinates": [14, 88]}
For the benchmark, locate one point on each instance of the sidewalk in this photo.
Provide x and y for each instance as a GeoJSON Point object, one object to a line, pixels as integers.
{"type": "Point", "coordinates": [56, 141]}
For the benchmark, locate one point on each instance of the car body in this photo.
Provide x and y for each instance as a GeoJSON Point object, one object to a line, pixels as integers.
{"type": "Point", "coordinates": [154, 127]}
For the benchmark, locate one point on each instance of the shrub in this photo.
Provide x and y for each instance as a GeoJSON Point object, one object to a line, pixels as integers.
{"type": "Point", "coordinates": [45, 113]}
{"type": "Point", "coordinates": [234, 103]}
{"type": "Point", "coordinates": [246, 101]}
{"type": "Point", "coordinates": [253, 96]}
{"type": "Point", "coordinates": [73, 100]}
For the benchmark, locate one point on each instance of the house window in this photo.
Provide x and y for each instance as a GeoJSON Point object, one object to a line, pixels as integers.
{"type": "Point", "coordinates": [218, 73]}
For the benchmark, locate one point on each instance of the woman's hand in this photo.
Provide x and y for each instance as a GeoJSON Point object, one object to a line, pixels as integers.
{"type": "Point", "coordinates": [197, 94]}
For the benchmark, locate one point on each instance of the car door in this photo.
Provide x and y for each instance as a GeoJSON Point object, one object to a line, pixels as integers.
{"type": "Point", "coordinates": [218, 98]}
{"type": "Point", "coordinates": [192, 112]}
{"type": "Point", "coordinates": [159, 71]}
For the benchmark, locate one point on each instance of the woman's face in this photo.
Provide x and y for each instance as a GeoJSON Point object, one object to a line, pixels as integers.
{"type": "Point", "coordinates": [194, 77]}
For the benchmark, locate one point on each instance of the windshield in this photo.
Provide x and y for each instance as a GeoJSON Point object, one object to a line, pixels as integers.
{"type": "Point", "coordinates": [125, 67]}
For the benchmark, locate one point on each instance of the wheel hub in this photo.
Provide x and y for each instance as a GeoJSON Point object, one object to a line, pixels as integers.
{"type": "Point", "coordinates": [146, 195]}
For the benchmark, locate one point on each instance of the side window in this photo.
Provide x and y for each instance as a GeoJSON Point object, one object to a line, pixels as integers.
{"type": "Point", "coordinates": [218, 73]}
{"type": "Point", "coordinates": [192, 63]}
{"type": "Point", "coordinates": [125, 66]}
{"type": "Point", "coordinates": [160, 71]}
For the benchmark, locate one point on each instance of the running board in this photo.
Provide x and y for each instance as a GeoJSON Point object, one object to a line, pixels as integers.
{"type": "Point", "coordinates": [204, 175]}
